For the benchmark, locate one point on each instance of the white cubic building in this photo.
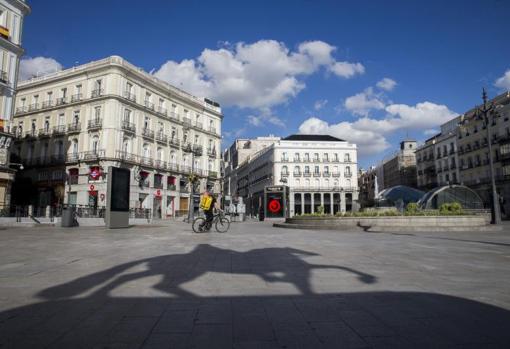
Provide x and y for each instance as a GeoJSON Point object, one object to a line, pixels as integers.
{"type": "Point", "coordinates": [320, 171]}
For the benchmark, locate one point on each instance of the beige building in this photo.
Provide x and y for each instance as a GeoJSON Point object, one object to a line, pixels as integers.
{"type": "Point", "coordinates": [400, 169]}
{"type": "Point", "coordinates": [473, 150]}
{"type": "Point", "coordinates": [11, 24]}
{"type": "Point", "coordinates": [71, 125]}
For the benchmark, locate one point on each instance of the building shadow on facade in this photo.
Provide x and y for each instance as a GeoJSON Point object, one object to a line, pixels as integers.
{"type": "Point", "coordinates": [83, 313]}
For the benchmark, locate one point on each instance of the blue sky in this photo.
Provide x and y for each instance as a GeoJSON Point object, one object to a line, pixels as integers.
{"type": "Point", "coordinates": [286, 66]}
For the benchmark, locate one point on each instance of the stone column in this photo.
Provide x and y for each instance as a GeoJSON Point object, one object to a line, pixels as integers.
{"type": "Point", "coordinates": [48, 212]}
{"type": "Point", "coordinates": [331, 201]}
{"type": "Point", "coordinates": [311, 202]}
{"type": "Point", "coordinates": [302, 202]}
{"type": "Point", "coordinates": [342, 201]}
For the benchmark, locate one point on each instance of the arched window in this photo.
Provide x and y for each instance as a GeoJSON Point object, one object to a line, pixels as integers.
{"type": "Point", "coordinates": [59, 149]}
{"type": "Point", "coordinates": [297, 170]}
{"type": "Point", "coordinates": [146, 150]}
{"type": "Point", "coordinates": [337, 184]}
{"type": "Point", "coordinates": [95, 144]}
{"type": "Point", "coordinates": [159, 154]}
{"type": "Point", "coordinates": [126, 146]}
{"type": "Point", "coordinates": [44, 150]}
{"type": "Point", "coordinates": [347, 170]}
{"type": "Point", "coordinates": [172, 158]}
{"type": "Point", "coordinates": [74, 147]}
{"type": "Point", "coordinates": [307, 183]}
{"type": "Point", "coordinates": [285, 170]}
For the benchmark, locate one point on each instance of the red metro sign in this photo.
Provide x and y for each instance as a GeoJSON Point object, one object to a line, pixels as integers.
{"type": "Point", "coordinates": [274, 206]}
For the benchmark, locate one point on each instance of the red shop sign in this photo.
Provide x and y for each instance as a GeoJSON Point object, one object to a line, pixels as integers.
{"type": "Point", "coordinates": [274, 206]}
{"type": "Point", "coordinates": [91, 188]}
{"type": "Point", "coordinates": [95, 173]}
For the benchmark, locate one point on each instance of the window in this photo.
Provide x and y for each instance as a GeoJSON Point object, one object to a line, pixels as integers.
{"type": "Point", "coordinates": [126, 146]}
{"type": "Point", "coordinates": [78, 89]}
{"type": "Point", "coordinates": [316, 157]}
{"type": "Point", "coordinates": [159, 154]}
{"type": "Point", "coordinates": [307, 169]}
{"type": "Point", "coordinates": [297, 170]}
{"type": "Point", "coordinates": [285, 170]}
{"type": "Point", "coordinates": [161, 128]}
{"type": "Point", "coordinates": [284, 156]}
{"type": "Point", "coordinates": [296, 157]}
{"type": "Point", "coordinates": [97, 113]}
{"type": "Point", "coordinates": [59, 150]}
{"type": "Point", "coordinates": [326, 169]}
{"type": "Point", "coordinates": [146, 151]}
{"type": "Point", "coordinates": [74, 147]}
{"type": "Point", "coordinates": [347, 157]}
{"type": "Point", "coordinates": [336, 157]}
{"type": "Point", "coordinates": [316, 170]}
{"type": "Point", "coordinates": [326, 157]}
{"type": "Point", "coordinates": [307, 157]}
{"type": "Point", "coordinates": [63, 93]}
{"type": "Point", "coordinates": [98, 85]}
{"type": "Point", "coordinates": [61, 119]}
{"type": "Point", "coordinates": [95, 144]}
{"type": "Point", "coordinates": [127, 115]}
{"type": "Point", "coordinates": [47, 123]}
{"type": "Point", "coordinates": [129, 87]}
{"type": "Point", "coordinates": [146, 123]}
{"type": "Point", "coordinates": [49, 96]}
{"type": "Point", "coordinates": [76, 117]}
{"type": "Point", "coordinates": [174, 133]}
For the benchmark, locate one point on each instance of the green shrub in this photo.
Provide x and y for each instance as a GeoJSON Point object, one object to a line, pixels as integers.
{"type": "Point", "coordinates": [412, 207]}
{"type": "Point", "coordinates": [320, 210]}
{"type": "Point", "coordinates": [451, 209]}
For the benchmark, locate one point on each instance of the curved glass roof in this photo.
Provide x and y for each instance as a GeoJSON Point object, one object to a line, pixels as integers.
{"type": "Point", "coordinates": [391, 196]}
{"type": "Point", "coordinates": [468, 198]}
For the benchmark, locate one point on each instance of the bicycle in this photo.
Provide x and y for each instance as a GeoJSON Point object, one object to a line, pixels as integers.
{"type": "Point", "coordinates": [221, 223]}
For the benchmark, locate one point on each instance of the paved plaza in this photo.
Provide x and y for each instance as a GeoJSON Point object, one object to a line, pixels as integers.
{"type": "Point", "coordinates": [253, 287]}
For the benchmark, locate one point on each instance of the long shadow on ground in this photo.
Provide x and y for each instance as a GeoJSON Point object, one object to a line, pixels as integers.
{"type": "Point", "coordinates": [185, 320]}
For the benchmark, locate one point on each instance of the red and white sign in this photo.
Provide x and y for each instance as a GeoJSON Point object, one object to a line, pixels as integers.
{"type": "Point", "coordinates": [95, 173]}
{"type": "Point", "coordinates": [91, 187]}
{"type": "Point", "coordinates": [274, 206]}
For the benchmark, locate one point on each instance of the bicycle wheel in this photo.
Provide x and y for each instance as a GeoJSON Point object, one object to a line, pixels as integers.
{"type": "Point", "coordinates": [198, 224]}
{"type": "Point", "coordinates": [222, 225]}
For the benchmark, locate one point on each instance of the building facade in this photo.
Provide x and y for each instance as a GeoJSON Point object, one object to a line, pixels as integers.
{"type": "Point", "coordinates": [12, 14]}
{"type": "Point", "coordinates": [368, 187]}
{"type": "Point", "coordinates": [400, 169]}
{"type": "Point", "coordinates": [320, 171]}
{"type": "Point", "coordinates": [437, 159]}
{"type": "Point", "coordinates": [473, 150]}
{"type": "Point", "coordinates": [71, 125]}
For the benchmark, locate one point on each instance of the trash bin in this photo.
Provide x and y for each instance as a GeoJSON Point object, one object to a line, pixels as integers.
{"type": "Point", "coordinates": [68, 217]}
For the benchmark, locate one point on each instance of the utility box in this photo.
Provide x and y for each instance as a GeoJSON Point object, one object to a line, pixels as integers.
{"type": "Point", "coordinates": [276, 201]}
{"type": "Point", "coordinates": [117, 197]}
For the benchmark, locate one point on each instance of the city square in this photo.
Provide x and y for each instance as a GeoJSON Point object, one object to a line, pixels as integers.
{"type": "Point", "coordinates": [162, 286]}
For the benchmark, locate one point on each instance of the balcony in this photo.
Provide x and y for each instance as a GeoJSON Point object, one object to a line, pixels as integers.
{"type": "Point", "coordinates": [76, 98]}
{"type": "Point", "coordinates": [297, 174]}
{"type": "Point", "coordinates": [92, 155]}
{"type": "Point", "coordinates": [316, 174]}
{"type": "Point", "coordinates": [98, 92]}
{"type": "Point", "coordinates": [74, 127]}
{"type": "Point", "coordinates": [59, 130]}
{"type": "Point", "coordinates": [335, 160]}
{"type": "Point", "coordinates": [316, 160]}
{"type": "Point", "coordinates": [61, 100]}
{"type": "Point", "coordinates": [161, 137]}
{"type": "Point", "coordinates": [213, 174]}
{"type": "Point", "coordinates": [297, 160]}
{"type": "Point", "coordinates": [127, 157]}
{"type": "Point", "coordinates": [199, 125]}
{"type": "Point", "coordinates": [148, 105]}
{"type": "Point", "coordinates": [172, 167]}
{"type": "Point", "coordinates": [33, 107]}
{"type": "Point", "coordinates": [211, 152]}
{"type": "Point", "coordinates": [146, 161]}
{"type": "Point", "coordinates": [129, 96]}
{"type": "Point", "coordinates": [44, 132]}
{"type": "Point", "coordinates": [325, 159]}
{"type": "Point", "coordinates": [174, 142]}
{"type": "Point", "coordinates": [160, 164]}
{"type": "Point", "coordinates": [347, 174]}
{"type": "Point", "coordinates": [326, 174]}
{"type": "Point", "coordinates": [59, 159]}
{"type": "Point", "coordinates": [284, 174]}
{"type": "Point", "coordinates": [128, 127]}
{"type": "Point", "coordinates": [161, 110]}
{"type": "Point", "coordinates": [187, 147]}
{"type": "Point", "coordinates": [307, 174]}
{"type": "Point", "coordinates": [47, 104]}
{"type": "Point", "coordinates": [212, 129]}
{"type": "Point", "coordinates": [186, 121]}
{"type": "Point", "coordinates": [185, 169]}
{"type": "Point", "coordinates": [147, 133]}
{"type": "Point", "coordinates": [336, 174]}
{"type": "Point", "coordinates": [173, 115]}
{"type": "Point", "coordinates": [73, 157]}
{"type": "Point", "coordinates": [20, 110]}
{"type": "Point", "coordinates": [95, 124]}
{"type": "Point", "coordinates": [197, 149]}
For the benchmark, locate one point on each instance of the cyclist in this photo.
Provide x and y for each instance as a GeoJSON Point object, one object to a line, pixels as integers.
{"type": "Point", "coordinates": [207, 203]}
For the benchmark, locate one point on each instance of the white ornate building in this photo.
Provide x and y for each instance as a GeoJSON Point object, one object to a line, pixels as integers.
{"type": "Point", "coordinates": [12, 13]}
{"type": "Point", "coordinates": [72, 124]}
{"type": "Point", "coordinates": [319, 170]}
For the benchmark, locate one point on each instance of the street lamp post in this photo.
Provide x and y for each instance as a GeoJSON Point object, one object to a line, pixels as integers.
{"type": "Point", "coordinates": [486, 109]}
{"type": "Point", "coordinates": [191, 207]}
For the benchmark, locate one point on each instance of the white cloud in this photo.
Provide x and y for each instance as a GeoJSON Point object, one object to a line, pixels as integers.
{"type": "Point", "coordinates": [319, 104]}
{"type": "Point", "coordinates": [347, 70]}
{"type": "Point", "coordinates": [37, 66]}
{"type": "Point", "coordinates": [258, 75]}
{"type": "Point", "coordinates": [504, 81]}
{"type": "Point", "coordinates": [265, 117]}
{"type": "Point", "coordinates": [368, 142]}
{"type": "Point", "coordinates": [387, 84]}
{"type": "Point", "coordinates": [363, 102]}
{"type": "Point", "coordinates": [370, 133]}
